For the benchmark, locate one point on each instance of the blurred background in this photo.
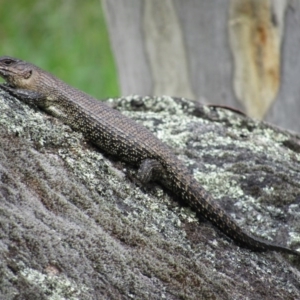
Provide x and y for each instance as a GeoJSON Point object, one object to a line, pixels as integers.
{"type": "Point", "coordinates": [238, 53]}
{"type": "Point", "coordinates": [68, 38]}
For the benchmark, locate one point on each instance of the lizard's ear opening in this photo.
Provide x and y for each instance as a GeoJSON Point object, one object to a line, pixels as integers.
{"type": "Point", "coordinates": [28, 74]}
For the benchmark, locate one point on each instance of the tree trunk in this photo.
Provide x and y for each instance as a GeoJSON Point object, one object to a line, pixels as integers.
{"type": "Point", "coordinates": [240, 53]}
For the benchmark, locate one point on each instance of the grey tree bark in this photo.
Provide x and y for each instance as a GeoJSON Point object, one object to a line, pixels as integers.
{"type": "Point", "coordinates": [240, 53]}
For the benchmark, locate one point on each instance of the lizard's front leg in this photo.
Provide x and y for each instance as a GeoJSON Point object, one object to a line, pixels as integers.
{"type": "Point", "coordinates": [150, 169]}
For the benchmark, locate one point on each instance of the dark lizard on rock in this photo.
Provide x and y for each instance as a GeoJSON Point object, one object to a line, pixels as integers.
{"type": "Point", "coordinates": [120, 136]}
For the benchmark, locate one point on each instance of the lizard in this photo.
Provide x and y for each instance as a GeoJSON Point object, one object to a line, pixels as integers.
{"type": "Point", "coordinates": [120, 136]}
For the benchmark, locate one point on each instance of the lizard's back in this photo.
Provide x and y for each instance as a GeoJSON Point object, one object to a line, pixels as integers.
{"type": "Point", "coordinates": [103, 125]}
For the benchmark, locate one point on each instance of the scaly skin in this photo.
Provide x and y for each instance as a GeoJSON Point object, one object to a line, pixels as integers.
{"type": "Point", "coordinates": [120, 136]}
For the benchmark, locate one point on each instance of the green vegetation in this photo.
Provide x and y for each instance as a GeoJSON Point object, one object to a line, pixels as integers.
{"type": "Point", "coordinates": [67, 38]}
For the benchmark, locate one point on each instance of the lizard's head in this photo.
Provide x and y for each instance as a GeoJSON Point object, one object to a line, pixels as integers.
{"type": "Point", "coordinates": [16, 72]}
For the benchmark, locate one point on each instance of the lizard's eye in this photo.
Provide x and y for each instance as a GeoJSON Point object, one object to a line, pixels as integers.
{"type": "Point", "coordinates": [8, 61]}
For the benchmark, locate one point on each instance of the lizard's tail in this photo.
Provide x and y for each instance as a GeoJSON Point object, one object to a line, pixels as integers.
{"type": "Point", "coordinates": [226, 224]}
{"type": "Point", "coordinates": [202, 203]}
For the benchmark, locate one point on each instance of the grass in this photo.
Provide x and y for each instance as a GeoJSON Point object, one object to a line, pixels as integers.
{"type": "Point", "coordinates": [68, 38]}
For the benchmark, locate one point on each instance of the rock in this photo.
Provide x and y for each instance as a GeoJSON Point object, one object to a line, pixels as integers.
{"type": "Point", "coordinates": [75, 224]}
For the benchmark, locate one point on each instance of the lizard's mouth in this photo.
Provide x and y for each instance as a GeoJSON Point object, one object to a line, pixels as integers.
{"type": "Point", "coordinates": [11, 76]}
{"type": "Point", "coordinates": [5, 73]}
